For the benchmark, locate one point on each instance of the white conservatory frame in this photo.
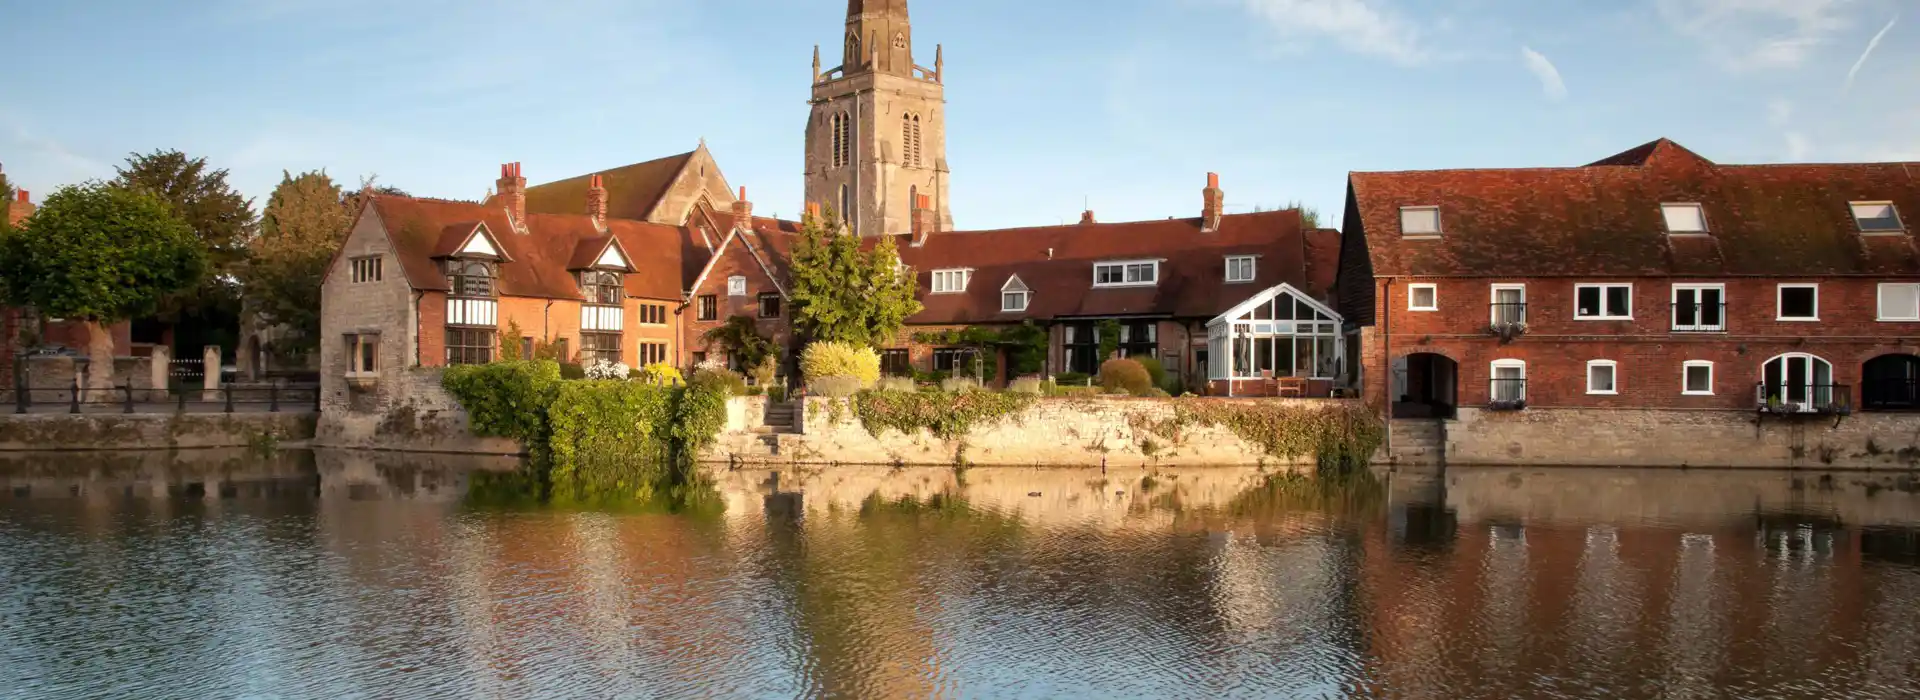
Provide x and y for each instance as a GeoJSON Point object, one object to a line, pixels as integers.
{"type": "Point", "coordinates": [1235, 338]}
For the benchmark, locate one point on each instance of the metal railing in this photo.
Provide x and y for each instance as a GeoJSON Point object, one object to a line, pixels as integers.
{"type": "Point", "coordinates": [1803, 398]}
{"type": "Point", "coordinates": [274, 397]}
{"type": "Point", "coordinates": [1507, 313]}
{"type": "Point", "coordinates": [1895, 394]}
{"type": "Point", "coordinates": [1700, 318]}
{"type": "Point", "coordinates": [1507, 394]}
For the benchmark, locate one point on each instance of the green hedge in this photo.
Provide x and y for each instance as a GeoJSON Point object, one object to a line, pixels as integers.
{"type": "Point", "coordinates": [948, 414]}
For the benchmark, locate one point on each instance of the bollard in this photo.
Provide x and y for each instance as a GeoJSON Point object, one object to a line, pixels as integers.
{"type": "Point", "coordinates": [229, 389]}
{"type": "Point", "coordinates": [273, 397]}
{"type": "Point", "coordinates": [128, 387]}
{"type": "Point", "coordinates": [75, 396]}
{"type": "Point", "coordinates": [182, 393]}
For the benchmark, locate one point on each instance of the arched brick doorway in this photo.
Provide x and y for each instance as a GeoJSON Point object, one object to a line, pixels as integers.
{"type": "Point", "coordinates": [1890, 383]}
{"type": "Point", "coordinates": [1425, 385]}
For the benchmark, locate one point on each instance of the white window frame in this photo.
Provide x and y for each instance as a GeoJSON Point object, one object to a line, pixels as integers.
{"type": "Point", "coordinates": [1253, 269]}
{"type": "Point", "coordinates": [1706, 228]}
{"type": "Point", "coordinates": [1026, 298]}
{"type": "Point", "coordinates": [1900, 225]}
{"type": "Point", "coordinates": [1613, 368]}
{"type": "Point", "coordinates": [1434, 288]}
{"type": "Point", "coordinates": [1685, 369]}
{"type": "Point", "coordinates": [1493, 373]}
{"type": "Point", "coordinates": [963, 276]}
{"type": "Point", "coordinates": [1673, 300]}
{"type": "Point", "coordinates": [1493, 297]}
{"type": "Point", "coordinates": [1603, 287]}
{"type": "Point", "coordinates": [737, 286]}
{"type": "Point", "coordinates": [1124, 266]}
{"type": "Point", "coordinates": [1879, 305]}
{"type": "Point", "coordinates": [1438, 229]}
{"type": "Point", "coordinates": [1780, 302]}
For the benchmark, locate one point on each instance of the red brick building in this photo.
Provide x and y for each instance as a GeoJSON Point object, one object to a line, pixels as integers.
{"type": "Point", "coordinates": [1651, 279]}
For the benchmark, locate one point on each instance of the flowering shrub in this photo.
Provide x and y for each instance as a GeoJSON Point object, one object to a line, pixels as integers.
{"type": "Point", "coordinates": [829, 359]}
{"type": "Point", "coordinates": [602, 369]}
{"type": "Point", "coordinates": [710, 364]}
{"type": "Point", "coordinates": [661, 374]}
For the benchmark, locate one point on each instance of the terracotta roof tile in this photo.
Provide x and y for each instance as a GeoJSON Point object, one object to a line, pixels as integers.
{"type": "Point", "coordinates": [541, 263]}
{"type": "Point", "coordinates": [1605, 219]}
{"type": "Point", "coordinates": [632, 190]}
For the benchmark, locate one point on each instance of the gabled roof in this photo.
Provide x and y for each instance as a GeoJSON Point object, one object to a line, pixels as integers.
{"type": "Point", "coordinates": [633, 191]}
{"type": "Point", "coordinates": [539, 263]}
{"type": "Point", "coordinates": [1267, 295]}
{"type": "Point", "coordinates": [1605, 219]}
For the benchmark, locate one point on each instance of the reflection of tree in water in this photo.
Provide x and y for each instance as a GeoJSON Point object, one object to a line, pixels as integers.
{"type": "Point", "coordinates": [611, 484]}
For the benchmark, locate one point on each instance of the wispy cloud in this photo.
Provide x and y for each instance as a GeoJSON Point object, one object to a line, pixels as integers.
{"type": "Point", "coordinates": [1871, 45]}
{"type": "Point", "coordinates": [1757, 34]}
{"type": "Point", "coordinates": [1369, 27]}
{"type": "Point", "coordinates": [1798, 147]}
{"type": "Point", "coordinates": [1543, 69]}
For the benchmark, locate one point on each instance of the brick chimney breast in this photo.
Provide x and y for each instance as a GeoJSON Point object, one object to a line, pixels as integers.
{"type": "Point", "coordinates": [1086, 218]}
{"type": "Point", "coordinates": [512, 191]}
{"type": "Point", "coordinates": [21, 209]}
{"type": "Point", "coordinates": [742, 212]}
{"type": "Point", "coordinates": [924, 223]}
{"type": "Point", "coordinates": [597, 201]}
{"type": "Point", "coordinates": [1213, 204]}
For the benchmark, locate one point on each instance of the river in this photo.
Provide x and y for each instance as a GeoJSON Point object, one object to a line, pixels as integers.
{"type": "Point", "coordinates": [348, 575]}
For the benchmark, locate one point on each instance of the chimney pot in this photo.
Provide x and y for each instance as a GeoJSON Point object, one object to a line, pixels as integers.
{"type": "Point", "coordinates": [24, 197]}
{"type": "Point", "coordinates": [1213, 180]}
{"type": "Point", "coordinates": [743, 211]}
{"type": "Point", "coordinates": [1213, 204]}
{"type": "Point", "coordinates": [1086, 217]}
{"type": "Point", "coordinates": [922, 223]}
{"type": "Point", "coordinates": [512, 191]}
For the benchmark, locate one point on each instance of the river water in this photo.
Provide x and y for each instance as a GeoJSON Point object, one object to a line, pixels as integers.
{"type": "Point", "coordinates": [343, 575]}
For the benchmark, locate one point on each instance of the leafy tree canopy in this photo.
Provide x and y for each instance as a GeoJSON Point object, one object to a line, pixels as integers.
{"type": "Point", "coordinates": [846, 292]}
{"type": "Point", "coordinates": [220, 218]}
{"type": "Point", "coordinates": [306, 219]}
{"type": "Point", "coordinates": [100, 253]}
{"type": "Point", "coordinates": [741, 339]}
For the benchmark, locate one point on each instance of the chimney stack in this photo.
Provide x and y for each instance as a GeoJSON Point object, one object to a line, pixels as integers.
{"type": "Point", "coordinates": [596, 201]}
{"type": "Point", "coordinates": [1213, 205]}
{"type": "Point", "coordinates": [924, 223]}
{"type": "Point", "coordinates": [1086, 217]}
{"type": "Point", "coordinates": [20, 210]}
{"type": "Point", "coordinates": [813, 212]}
{"type": "Point", "coordinates": [742, 212]}
{"type": "Point", "coordinates": [512, 191]}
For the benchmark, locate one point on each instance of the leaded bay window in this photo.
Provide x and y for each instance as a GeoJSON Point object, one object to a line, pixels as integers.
{"type": "Point", "coordinates": [596, 347]}
{"type": "Point", "coordinates": [472, 335]}
{"type": "Point", "coordinates": [470, 345]}
{"type": "Point", "coordinates": [602, 287]}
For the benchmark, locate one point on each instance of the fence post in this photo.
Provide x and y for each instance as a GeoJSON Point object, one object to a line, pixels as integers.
{"type": "Point", "coordinates": [128, 387]}
{"type": "Point", "coordinates": [75, 396]}
{"type": "Point", "coordinates": [210, 371]}
{"type": "Point", "coordinates": [229, 392]}
{"type": "Point", "coordinates": [273, 396]}
{"type": "Point", "coordinates": [182, 394]}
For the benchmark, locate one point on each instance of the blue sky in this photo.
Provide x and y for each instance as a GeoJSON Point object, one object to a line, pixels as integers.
{"type": "Point", "coordinates": [1120, 104]}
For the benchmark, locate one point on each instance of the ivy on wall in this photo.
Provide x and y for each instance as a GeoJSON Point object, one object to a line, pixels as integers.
{"type": "Point", "coordinates": [1341, 436]}
{"type": "Point", "coordinates": [1026, 346]}
{"type": "Point", "coordinates": [948, 415]}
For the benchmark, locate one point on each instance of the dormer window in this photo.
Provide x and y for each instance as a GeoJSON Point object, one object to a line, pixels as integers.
{"type": "Point", "coordinates": [1877, 217]}
{"type": "Point", "coordinates": [950, 281]}
{"type": "Point", "coordinates": [470, 278]}
{"type": "Point", "coordinates": [602, 287]}
{"type": "Point", "coordinates": [1127, 273]}
{"type": "Point", "coordinates": [1419, 221]}
{"type": "Point", "coordinates": [1240, 268]}
{"type": "Point", "coordinates": [1684, 218]}
{"type": "Point", "coordinates": [1014, 295]}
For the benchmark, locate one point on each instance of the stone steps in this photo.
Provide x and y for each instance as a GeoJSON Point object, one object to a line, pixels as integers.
{"type": "Point", "coordinates": [1421, 441]}
{"type": "Point", "coordinates": [778, 419]}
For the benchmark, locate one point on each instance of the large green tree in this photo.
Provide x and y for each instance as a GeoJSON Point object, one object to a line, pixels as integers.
{"type": "Point", "coordinates": [100, 254]}
{"type": "Point", "coordinates": [6, 198]}
{"type": "Point", "coordinates": [221, 219]}
{"type": "Point", "coordinates": [305, 221]}
{"type": "Point", "coordinates": [846, 292]}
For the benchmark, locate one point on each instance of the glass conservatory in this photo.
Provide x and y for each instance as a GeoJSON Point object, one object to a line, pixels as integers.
{"type": "Point", "coordinates": [1278, 333]}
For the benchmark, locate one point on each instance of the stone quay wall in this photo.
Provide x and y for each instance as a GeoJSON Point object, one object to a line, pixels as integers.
{"type": "Point", "coordinates": [1078, 432]}
{"type": "Point", "coordinates": [408, 412]}
{"type": "Point", "coordinates": [150, 431]}
{"type": "Point", "coordinates": [1621, 437]}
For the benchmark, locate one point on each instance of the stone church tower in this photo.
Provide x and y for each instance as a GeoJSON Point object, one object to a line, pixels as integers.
{"type": "Point", "coordinates": [877, 137]}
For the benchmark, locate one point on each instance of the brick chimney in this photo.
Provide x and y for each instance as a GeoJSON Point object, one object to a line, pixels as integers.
{"type": "Point", "coordinates": [512, 191]}
{"type": "Point", "coordinates": [21, 209]}
{"type": "Point", "coordinates": [924, 222]}
{"type": "Point", "coordinates": [813, 211]}
{"type": "Point", "coordinates": [596, 201]}
{"type": "Point", "coordinates": [1213, 204]}
{"type": "Point", "coordinates": [742, 212]}
{"type": "Point", "coordinates": [1086, 217]}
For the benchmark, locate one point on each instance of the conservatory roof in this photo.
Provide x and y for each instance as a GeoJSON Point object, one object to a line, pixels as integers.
{"type": "Point", "coordinates": [1254, 302]}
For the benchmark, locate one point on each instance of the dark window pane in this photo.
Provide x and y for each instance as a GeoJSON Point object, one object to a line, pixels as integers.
{"type": "Point", "coordinates": [1797, 302]}
{"type": "Point", "coordinates": [1589, 301]}
{"type": "Point", "coordinates": [1619, 301]}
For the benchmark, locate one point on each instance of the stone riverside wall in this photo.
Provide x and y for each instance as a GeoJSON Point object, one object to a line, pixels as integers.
{"type": "Point", "coordinates": [1694, 438]}
{"type": "Point", "coordinates": [1053, 432]}
{"type": "Point", "coordinates": [150, 431]}
{"type": "Point", "coordinates": [408, 411]}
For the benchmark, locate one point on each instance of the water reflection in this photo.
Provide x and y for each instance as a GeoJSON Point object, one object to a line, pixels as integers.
{"type": "Point", "coordinates": [355, 574]}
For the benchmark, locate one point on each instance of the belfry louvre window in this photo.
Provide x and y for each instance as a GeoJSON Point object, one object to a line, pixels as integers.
{"type": "Point", "coordinates": [911, 154]}
{"type": "Point", "coordinates": [842, 141]}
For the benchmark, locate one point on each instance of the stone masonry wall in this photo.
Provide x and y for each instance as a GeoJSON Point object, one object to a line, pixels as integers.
{"type": "Point", "coordinates": [1054, 432]}
{"type": "Point", "coordinates": [1667, 437]}
{"type": "Point", "coordinates": [150, 431]}
{"type": "Point", "coordinates": [414, 415]}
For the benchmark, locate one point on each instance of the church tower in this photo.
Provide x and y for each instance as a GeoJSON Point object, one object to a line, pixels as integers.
{"type": "Point", "coordinates": [877, 137]}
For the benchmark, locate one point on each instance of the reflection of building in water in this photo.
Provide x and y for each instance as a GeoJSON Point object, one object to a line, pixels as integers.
{"type": "Point", "coordinates": [1677, 497]}
{"type": "Point", "coordinates": [366, 475]}
{"type": "Point", "coordinates": [209, 474]}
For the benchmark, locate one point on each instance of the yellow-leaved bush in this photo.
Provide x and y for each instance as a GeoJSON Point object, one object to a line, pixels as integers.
{"type": "Point", "coordinates": [832, 359]}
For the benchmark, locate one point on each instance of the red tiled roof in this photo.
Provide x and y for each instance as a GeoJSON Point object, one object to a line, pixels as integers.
{"type": "Point", "coordinates": [1056, 263]}
{"type": "Point", "coordinates": [1605, 219]}
{"type": "Point", "coordinates": [540, 263]}
{"type": "Point", "coordinates": [632, 190]}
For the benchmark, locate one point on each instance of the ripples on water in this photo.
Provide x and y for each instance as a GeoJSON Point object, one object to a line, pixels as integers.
{"type": "Point", "coordinates": [367, 576]}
